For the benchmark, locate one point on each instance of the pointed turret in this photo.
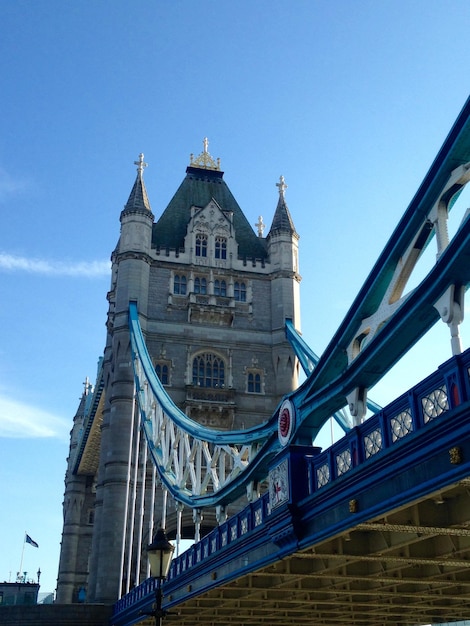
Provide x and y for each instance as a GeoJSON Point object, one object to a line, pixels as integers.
{"type": "Point", "coordinates": [283, 242]}
{"type": "Point", "coordinates": [78, 500]}
{"type": "Point", "coordinates": [138, 199]}
{"type": "Point", "coordinates": [137, 217]}
{"type": "Point", "coordinates": [282, 220]}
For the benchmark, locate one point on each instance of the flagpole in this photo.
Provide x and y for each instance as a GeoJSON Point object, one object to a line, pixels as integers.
{"type": "Point", "coordinates": [22, 554]}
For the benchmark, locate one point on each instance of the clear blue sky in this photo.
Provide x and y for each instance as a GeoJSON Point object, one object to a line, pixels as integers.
{"type": "Point", "coordinates": [348, 99]}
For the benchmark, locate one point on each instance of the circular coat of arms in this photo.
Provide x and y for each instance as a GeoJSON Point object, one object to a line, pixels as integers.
{"type": "Point", "coordinates": [286, 422]}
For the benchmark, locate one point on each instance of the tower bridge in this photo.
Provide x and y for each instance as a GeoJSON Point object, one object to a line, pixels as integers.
{"type": "Point", "coordinates": [197, 418]}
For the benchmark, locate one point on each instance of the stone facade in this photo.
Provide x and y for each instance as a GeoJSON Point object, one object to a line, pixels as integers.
{"type": "Point", "coordinates": [212, 297]}
{"type": "Point", "coordinates": [56, 615]}
{"type": "Point", "coordinates": [18, 593]}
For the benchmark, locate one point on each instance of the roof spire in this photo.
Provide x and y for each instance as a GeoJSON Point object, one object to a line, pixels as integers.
{"type": "Point", "coordinates": [282, 220]}
{"type": "Point", "coordinates": [140, 163]}
{"type": "Point", "coordinates": [138, 197]}
{"type": "Point", "coordinates": [281, 186]}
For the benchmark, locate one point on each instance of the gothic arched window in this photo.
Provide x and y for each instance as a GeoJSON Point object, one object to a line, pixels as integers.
{"type": "Point", "coordinates": [239, 292]}
{"type": "Point", "coordinates": [162, 372]}
{"type": "Point", "coordinates": [220, 248]}
{"type": "Point", "coordinates": [220, 288]}
{"type": "Point", "coordinates": [208, 371]}
{"type": "Point", "coordinates": [201, 244]}
{"type": "Point", "coordinates": [254, 382]}
{"type": "Point", "coordinates": [200, 285]}
{"type": "Point", "coordinates": [179, 285]}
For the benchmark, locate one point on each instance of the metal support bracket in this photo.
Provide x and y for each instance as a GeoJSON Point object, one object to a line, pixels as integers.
{"type": "Point", "coordinates": [451, 309]}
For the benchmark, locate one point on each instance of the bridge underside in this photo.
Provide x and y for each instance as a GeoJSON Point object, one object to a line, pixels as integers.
{"type": "Point", "coordinates": [410, 568]}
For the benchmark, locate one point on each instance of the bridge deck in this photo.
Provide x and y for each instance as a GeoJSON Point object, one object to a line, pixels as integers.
{"type": "Point", "coordinates": [405, 568]}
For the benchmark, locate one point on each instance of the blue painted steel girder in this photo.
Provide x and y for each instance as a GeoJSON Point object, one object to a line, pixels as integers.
{"type": "Point", "coordinates": [332, 377]}
{"type": "Point", "coordinates": [414, 318]}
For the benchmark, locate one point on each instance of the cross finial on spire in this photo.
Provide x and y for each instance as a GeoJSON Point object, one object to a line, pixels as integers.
{"type": "Point", "coordinates": [260, 225]}
{"type": "Point", "coordinates": [281, 185]}
{"type": "Point", "coordinates": [140, 163]}
{"type": "Point", "coordinates": [87, 386]}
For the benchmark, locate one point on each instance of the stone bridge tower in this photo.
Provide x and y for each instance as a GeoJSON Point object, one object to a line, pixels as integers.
{"type": "Point", "coordinates": [213, 296]}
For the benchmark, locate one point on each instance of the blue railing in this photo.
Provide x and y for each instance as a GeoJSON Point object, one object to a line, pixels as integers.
{"type": "Point", "coordinates": [250, 518]}
{"type": "Point", "coordinates": [137, 598]}
{"type": "Point", "coordinates": [444, 390]}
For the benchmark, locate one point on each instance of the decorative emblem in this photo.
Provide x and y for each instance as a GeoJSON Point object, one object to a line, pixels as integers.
{"type": "Point", "coordinates": [204, 160]}
{"type": "Point", "coordinates": [456, 456]}
{"type": "Point", "coordinates": [279, 484]}
{"type": "Point", "coordinates": [353, 506]}
{"type": "Point", "coordinates": [286, 422]}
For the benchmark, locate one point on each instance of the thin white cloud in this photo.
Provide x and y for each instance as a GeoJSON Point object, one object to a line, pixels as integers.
{"type": "Point", "coordinates": [88, 269]}
{"type": "Point", "coordinates": [10, 185]}
{"type": "Point", "coordinates": [22, 421]}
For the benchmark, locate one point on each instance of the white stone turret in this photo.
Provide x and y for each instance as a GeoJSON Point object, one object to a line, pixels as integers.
{"type": "Point", "coordinates": [283, 252]}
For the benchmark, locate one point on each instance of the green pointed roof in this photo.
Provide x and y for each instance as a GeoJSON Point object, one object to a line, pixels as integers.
{"type": "Point", "coordinates": [199, 187]}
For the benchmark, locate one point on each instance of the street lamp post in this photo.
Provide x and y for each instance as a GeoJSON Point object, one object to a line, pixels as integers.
{"type": "Point", "coordinates": [159, 554]}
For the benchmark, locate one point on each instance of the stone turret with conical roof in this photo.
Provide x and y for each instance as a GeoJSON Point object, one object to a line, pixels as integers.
{"type": "Point", "coordinates": [135, 242]}
{"type": "Point", "coordinates": [78, 501]}
{"type": "Point", "coordinates": [283, 249]}
{"type": "Point", "coordinates": [137, 217]}
{"type": "Point", "coordinates": [283, 252]}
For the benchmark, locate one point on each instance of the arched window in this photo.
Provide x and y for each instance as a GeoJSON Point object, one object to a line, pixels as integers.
{"type": "Point", "coordinates": [201, 245]}
{"type": "Point", "coordinates": [208, 371]}
{"type": "Point", "coordinates": [220, 288]}
{"type": "Point", "coordinates": [254, 382]}
{"type": "Point", "coordinates": [179, 285]}
{"type": "Point", "coordinates": [220, 248]}
{"type": "Point", "coordinates": [239, 292]}
{"type": "Point", "coordinates": [162, 372]}
{"type": "Point", "coordinates": [200, 285]}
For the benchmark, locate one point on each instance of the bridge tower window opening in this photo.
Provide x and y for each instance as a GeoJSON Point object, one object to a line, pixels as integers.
{"type": "Point", "coordinates": [200, 286]}
{"type": "Point", "coordinates": [201, 245]}
{"type": "Point", "coordinates": [179, 285]}
{"type": "Point", "coordinates": [208, 371]}
{"type": "Point", "coordinates": [163, 372]}
{"type": "Point", "coordinates": [220, 287]}
{"type": "Point", "coordinates": [220, 248]}
{"type": "Point", "coordinates": [239, 291]}
{"type": "Point", "coordinates": [254, 382]}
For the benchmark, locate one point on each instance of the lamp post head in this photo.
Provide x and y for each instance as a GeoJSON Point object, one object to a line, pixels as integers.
{"type": "Point", "coordinates": [159, 554]}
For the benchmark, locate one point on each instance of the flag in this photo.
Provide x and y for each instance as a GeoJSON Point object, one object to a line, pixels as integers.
{"type": "Point", "coordinates": [31, 541]}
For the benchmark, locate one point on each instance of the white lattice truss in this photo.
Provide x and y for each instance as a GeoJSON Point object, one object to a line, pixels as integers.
{"type": "Point", "coordinates": [200, 466]}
